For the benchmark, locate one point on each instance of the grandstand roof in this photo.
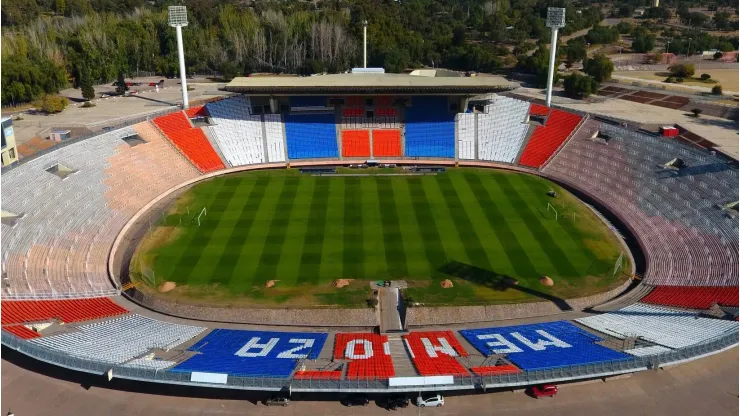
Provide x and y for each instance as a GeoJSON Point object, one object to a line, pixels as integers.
{"type": "Point", "coordinates": [367, 84]}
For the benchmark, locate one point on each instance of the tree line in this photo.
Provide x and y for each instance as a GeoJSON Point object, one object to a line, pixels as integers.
{"type": "Point", "coordinates": [48, 45]}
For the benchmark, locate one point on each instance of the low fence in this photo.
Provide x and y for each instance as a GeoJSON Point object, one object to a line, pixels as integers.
{"type": "Point", "coordinates": [575, 372]}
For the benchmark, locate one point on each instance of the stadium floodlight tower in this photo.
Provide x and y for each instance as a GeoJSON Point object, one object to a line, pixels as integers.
{"type": "Point", "coordinates": [555, 20]}
{"type": "Point", "coordinates": [177, 18]}
{"type": "Point", "coordinates": [364, 43]}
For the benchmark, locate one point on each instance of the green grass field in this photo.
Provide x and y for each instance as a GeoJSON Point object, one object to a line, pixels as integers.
{"type": "Point", "coordinates": [479, 228]}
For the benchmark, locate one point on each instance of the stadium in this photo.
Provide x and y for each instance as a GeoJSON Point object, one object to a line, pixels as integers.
{"type": "Point", "coordinates": [370, 233]}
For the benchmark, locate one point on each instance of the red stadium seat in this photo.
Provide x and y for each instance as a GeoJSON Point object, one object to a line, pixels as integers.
{"type": "Point", "coordinates": [495, 370]}
{"type": "Point", "coordinates": [433, 353]}
{"type": "Point", "coordinates": [353, 112]}
{"type": "Point", "coordinates": [356, 143]}
{"type": "Point", "coordinates": [693, 297]}
{"type": "Point", "coordinates": [383, 101]}
{"type": "Point", "coordinates": [318, 375]}
{"type": "Point", "coordinates": [354, 101]}
{"type": "Point", "coordinates": [67, 310]}
{"type": "Point", "coordinates": [22, 332]}
{"type": "Point", "coordinates": [199, 111]}
{"type": "Point", "coordinates": [368, 354]}
{"type": "Point", "coordinates": [538, 110]}
{"type": "Point", "coordinates": [190, 141]}
{"type": "Point", "coordinates": [386, 143]}
{"type": "Point", "coordinates": [547, 139]}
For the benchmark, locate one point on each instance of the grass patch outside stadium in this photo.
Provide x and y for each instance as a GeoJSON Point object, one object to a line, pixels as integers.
{"type": "Point", "coordinates": [476, 227]}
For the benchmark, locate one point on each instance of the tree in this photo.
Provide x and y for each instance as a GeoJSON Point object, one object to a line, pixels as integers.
{"type": "Point", "coordinates": [697, 112]}
{"type": "Point", "coordinates": [643, 43]}
{"type": "Point", "coordinates": [705, 77]}
{"type": "Point", "coordinates": [624, 27]}
{"type": "Point", "coordinates": [51, 104]}
{"type": "Point", "coordinates": [86, 83]}
{"type": "Point", "coordinates": [575, 51]}
{"type": "Point", "coordinates": [682, 70]}
{"type": "Point", "coordinates": [121, 86]}
{"type": "Point", "coordinates": [600, 67]}
{"type": "Point", "coordinates": [580, 86]}
{"type": "Point", "coordinates": [602, 35]}
{"type": "Point", "coordinates": [717, 55]}
{"type": "Point", "coordinates": [458, 36]}
{"type": "Point", "coordinates": [60, 6]}
{"type": "Point", "coordinates": [717, 90]}
{"type": "Point", "coordinates": [624, 10]}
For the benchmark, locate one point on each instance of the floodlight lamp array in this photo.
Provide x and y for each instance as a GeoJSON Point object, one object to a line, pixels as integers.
{"type": "Point", "coordinates": [555, 17]}
{"type": "Point", "coordinates": [177, 16]}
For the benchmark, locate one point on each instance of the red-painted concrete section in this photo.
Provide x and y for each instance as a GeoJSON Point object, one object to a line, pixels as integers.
{"type": "Point", "coordinates": [704, 387]}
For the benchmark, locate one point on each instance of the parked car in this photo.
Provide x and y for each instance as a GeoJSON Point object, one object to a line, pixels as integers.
{"type": "Point", "coordinates": [277, 401]}
{"type": "Point", "coordinates": [546, 390]}
{"type": "Point", "coordinates": [431, 401]}
{"type": "Point", "coordinates": [355, 400]}
{"type": "Point", "coordinates": [393, 402]}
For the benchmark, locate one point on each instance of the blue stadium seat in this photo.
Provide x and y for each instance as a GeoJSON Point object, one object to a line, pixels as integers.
{"type": "Point", "coordinates": [542, 346]}
{"type": "Point", "coordinates": [430, 128]}
{"type": "Point", "coordinates": [252, 353]}
{"type": "Point", "coordinates": [311, 136]}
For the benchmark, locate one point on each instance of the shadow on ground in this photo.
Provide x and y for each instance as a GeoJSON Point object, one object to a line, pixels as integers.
{"type": "Point", "coordinates": [497, 281]}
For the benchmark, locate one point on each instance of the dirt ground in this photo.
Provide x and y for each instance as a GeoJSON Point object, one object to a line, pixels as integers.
{"type": "Point", "coordinates": [728, 78]}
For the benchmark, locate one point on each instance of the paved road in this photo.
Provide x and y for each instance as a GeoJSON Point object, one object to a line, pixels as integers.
{"type": "Point", "coordinates": [704, 387]}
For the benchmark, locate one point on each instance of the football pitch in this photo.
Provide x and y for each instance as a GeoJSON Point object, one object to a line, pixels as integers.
{"type": "Point", "coordinates": [482, 229]}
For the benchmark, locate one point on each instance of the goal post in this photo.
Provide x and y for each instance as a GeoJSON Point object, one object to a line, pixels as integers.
{"type": "Point", "coordinates": [550, 207]}
{"type": "Point", "coordinates": [202, 212]}
{"type": "Point", "coordinates": [618, 264]}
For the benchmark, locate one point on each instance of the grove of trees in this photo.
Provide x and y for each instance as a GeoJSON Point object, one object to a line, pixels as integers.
{"type": "Point", "coordinates": [50, 44]}
{"type": "Point", "coordinates": [580, 86]}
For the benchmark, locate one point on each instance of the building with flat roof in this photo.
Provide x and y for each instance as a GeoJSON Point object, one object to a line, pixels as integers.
{"type": "Point", "coordinates": [9, 149]}
{"type": "Point", "coordinates": [368, 84]}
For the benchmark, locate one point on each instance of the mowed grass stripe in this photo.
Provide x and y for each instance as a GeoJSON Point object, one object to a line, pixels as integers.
{"type": "Point", "coordinates": [465, 228]}
{"type": "Point", "coordinates": [204, 270]}
{"type": "Point", "coordinates": [428, 230]}
{"type": "Point", "coordinates": [517, 256]}
{"type": "Point", "coordinates": [225, 270]}
{"type": "Point", "coordinates": [549, 246]}
{"type": "Point", "coordinates": [453, 246]}
{"type": "Point", "coordinates": [331, 255]}
{"type": "Point", "coordinates": [372, 231]}
{"type": "Point", "coordinates": [353, 260]}
{"type": "Point", "coordinates": [288, 269]}
{"type": "Point", "coordinates": [413, 245]}
{"type": "Point", "coordinates": [497, 256]}
{"type": "Point", "coordinates": [395, 255]}
{"type": "Point", "coordinates": [313, 242]}
{"type": "Point", "coordinates": [574, 248]}
{"type": "Point", "coordinates": [276, 231]}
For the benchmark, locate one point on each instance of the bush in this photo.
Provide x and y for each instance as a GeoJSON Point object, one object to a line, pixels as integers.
{"type": "Point", "coordinates": [580, 86]}
{"type": "Point", "coordinates": [600, 67]}
{"type": "Point", "coordinates": [88, 104]}
{"type": "Point", "coordinates": [717, 90]}
{"type": "Point", "coordinates": [670, 80]}
{"type": "Point", "coordinates": [682, 70]}
{"type": "Point", "coordinates": [679, 80]}
{"type": "Point", "coordinates": [52, 104]}
{"type": "Point", "coordinates": [624, 27]}
{"type": "Point", "coordinates": [705, 77]}
{"type": "Point", "coordinates": [717, 55]}
{"type": "Point", "coordinates": [697, 112]}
